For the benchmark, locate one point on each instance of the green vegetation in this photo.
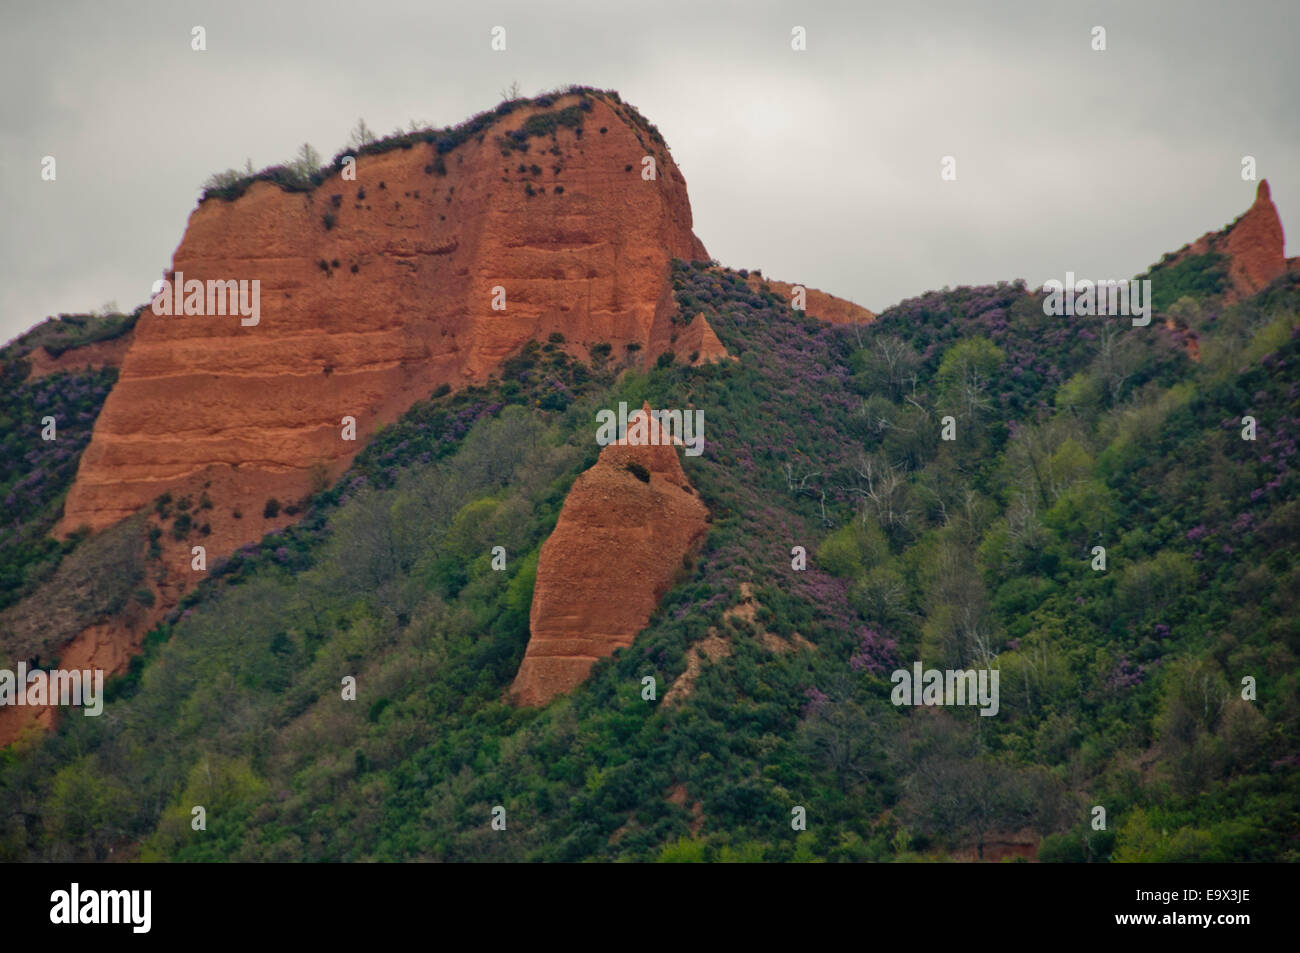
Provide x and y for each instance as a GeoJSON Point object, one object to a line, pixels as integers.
{"type": "Point", "coordinates": [1198, 276]}
{"type": "Point", "coordinates": [1120, 688]}
{"type": "Point", "coordinates": [68, 331]}
{"type": "Point", "coordinates": [544, 124]}
{"type": "Point", "coordinates": [35, 473]}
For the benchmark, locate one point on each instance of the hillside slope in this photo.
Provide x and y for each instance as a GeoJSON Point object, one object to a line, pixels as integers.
{"type": "Point", "coordinates": [1122, 686]}
{"type": "Point", "coordinates": [441, 258]}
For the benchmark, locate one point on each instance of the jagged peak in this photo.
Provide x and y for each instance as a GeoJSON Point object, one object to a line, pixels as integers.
{"type": "Point", "coordinates": [1252, 246]}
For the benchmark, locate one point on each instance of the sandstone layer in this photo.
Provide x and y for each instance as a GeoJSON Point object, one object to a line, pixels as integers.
{"type": "Point", "coordinates": [618, 545]}
{"type": "Point", "coordinates": [374, 292]}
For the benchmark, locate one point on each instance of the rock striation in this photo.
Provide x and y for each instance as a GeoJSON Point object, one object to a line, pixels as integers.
{"type": "Point", "coordinates": [439, 260]}
{"type": "Point", "coordinates": [376, 291]}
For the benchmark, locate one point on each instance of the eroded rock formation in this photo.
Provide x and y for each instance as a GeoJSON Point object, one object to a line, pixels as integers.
{"type": "Point", "coordinates": [1253, 244]}
{"type": "Point", "coordinates": [376, 291]}
{"type": "Point", "coordinates": [373, 292]}
{"type": "Point", "coordinates": [626, 528]}
{"type": "Point", "coordinates": [699, 344]}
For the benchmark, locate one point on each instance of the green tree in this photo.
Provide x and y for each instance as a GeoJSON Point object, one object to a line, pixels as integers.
{"type": "Point", "coordinates": [965, 374]}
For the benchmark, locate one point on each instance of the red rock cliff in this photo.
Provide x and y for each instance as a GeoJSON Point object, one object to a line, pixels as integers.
{"type": "Point", "coordinates": [373, 292]}
{"type": "Point", "coordinates": [394, 298]}
{"type": "Point", "coordinates": [88, 357]}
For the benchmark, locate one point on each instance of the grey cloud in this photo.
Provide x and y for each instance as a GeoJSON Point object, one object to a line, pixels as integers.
{"type": "Point", "coordinates": [820, 167]}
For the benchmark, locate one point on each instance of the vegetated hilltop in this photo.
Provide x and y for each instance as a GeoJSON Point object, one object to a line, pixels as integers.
{"type": "Point", "coordinates": [74, 342]}
{"type": "Point", "coordinates": [1120, 688]}
{"type": "Point", "coordinates": [1237, 261]}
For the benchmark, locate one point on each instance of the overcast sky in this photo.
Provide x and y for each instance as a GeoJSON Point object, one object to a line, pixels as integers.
{"type": "Point", "coordinates": [820, 167]}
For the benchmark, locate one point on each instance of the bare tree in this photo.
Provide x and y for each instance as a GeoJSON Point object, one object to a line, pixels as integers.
{"type": "Point", "coordinates": [883, 488]}
{"type": "Point", "coordinates": [899, 360]}
{"type": "Point", "coordinates": [798, 484]}
{"type": "Point", "coordinates": [306, 163]}
{"type": "Point", "coordinates": [361, 135]}
{"type": "Point", "coordinates": [1115, 360]}
{"type": "Point", "coordinates": [1023, 524]}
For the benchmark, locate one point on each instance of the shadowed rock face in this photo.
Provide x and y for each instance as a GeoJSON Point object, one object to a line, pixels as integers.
{"type": "Point", "coordinates": [616, 548]}
{"type": "Point", "coordinates": [408, 306]}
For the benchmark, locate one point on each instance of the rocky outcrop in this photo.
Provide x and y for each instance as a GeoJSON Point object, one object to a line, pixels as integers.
{"type": "Point", "coordinates": [1253, 245]}
{"type": "Point", "coordinates": [712, 647]}
{"type": "Point", "coordinates": [699, 344]}
{"type": "Point", "coordinates": [623, 535]}
{"type": "Point", "coordinates": [817, 304]}
{"type": "Point", "coordinates": [715, 646]}
{"type": "Point", "coordinates": [94, 356]}
{"type": "Point", "coordinates": [374, 292]}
